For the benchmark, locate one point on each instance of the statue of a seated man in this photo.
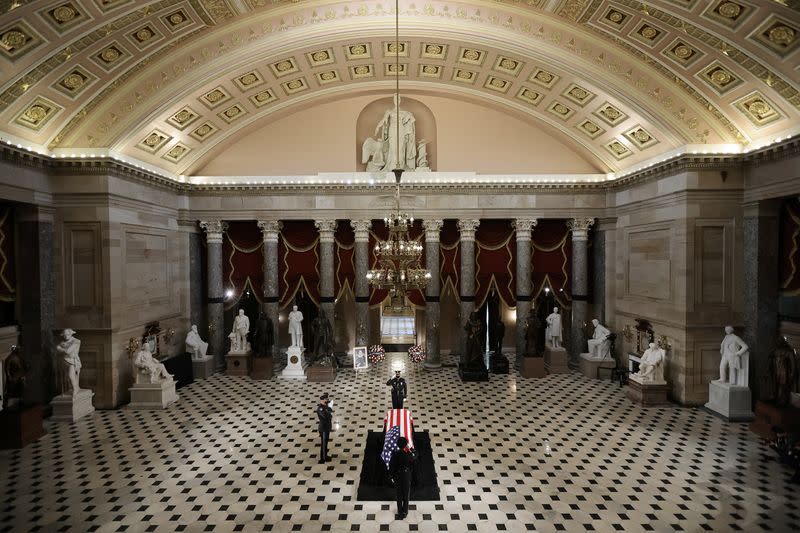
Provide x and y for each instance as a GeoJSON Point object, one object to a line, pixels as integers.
{"type": "Point", "coordinates": [147, 365]}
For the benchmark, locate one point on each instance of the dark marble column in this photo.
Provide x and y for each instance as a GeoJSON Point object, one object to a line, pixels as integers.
{"type": "Point", "coordinates": [467, 275]}
{"type": "Point", "coordinates": [580, 286]}
{"type": "Point", "coordinates": [216, 326]}
{"type": "Point", "coordinates": [361, 265]}
{"type": "Point", "coordinates": [270, 231]}
{"type": "Point", "coordinates": [326, 297]}
{"type": "Point", "coordinates": [195, 281]}
{"type": "Point", "coordinates": [760, 289]}
{"type": "Point", "coordinates": [36, 295]}
{"type": "Point", "coordinates": [523, 228]}
{"type": "Point", "coordinates": [432, 291]}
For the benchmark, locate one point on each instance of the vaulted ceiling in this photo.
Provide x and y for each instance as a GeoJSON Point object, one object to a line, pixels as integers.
{"type": "Point", "coordinates": [167, 81]}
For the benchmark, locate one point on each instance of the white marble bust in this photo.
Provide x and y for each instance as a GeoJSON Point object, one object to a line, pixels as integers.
{"type": "Point", "coordinates": [651, 367]}
{"type": "Point", "coordinates": [599, 344]}
{"type": "Point", "coordinates": [296, 327]}
{"type": "Point", "coordinates": [195, 345]}
{"type": "Point", "coordinates": [68, 350]}
{"type": "Point", "coordinates": [734, 366]}
{"type": "Point", "coordinates": [553, 331]}
{"type": "Point", "coordinates": [149, 370]}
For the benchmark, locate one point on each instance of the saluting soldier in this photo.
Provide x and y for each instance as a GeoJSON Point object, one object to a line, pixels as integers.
{"type": "Point", "coordinates": [399, 391]}
{"type": "Point", "coordinates": [325, 415]}
{"type": "Point", "coordinates": [400, 469]}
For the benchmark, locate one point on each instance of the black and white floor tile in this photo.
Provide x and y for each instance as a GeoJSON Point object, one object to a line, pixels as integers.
{"type": "Point", "coordinates": [241, 455]}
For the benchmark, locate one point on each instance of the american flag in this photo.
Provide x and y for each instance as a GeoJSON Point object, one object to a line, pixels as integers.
{"type": "Point", "coordinates": [390, 445]}
{"type": "Point", "coordinates": [401, 418]}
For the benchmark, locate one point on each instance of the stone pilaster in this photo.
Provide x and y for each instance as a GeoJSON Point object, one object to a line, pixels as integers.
{"type": "Point", "coordinates": [36, 294]}
{"type": "Point", "coordinates": [326, 297]}
{"type": "Point", "coordinates": [361, 265]}
{"type": "Point", "coordinates": [270, 232]}
{"type": "Point", "coordinates": [216, 336]}
{"type": "Point", "coordinates": [467, 229]}
{"type": "Point", "coordinates": [760, 290]}
{"type": "Point", "coordinates": [580, 285]}
{"type": "Point", "coordinates": [523, 227]}
{"type": "Point", "coordinates": [432, 291]}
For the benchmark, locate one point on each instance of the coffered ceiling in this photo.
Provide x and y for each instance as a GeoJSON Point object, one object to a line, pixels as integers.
{"type": "Point", "coordinates": [167, 81]}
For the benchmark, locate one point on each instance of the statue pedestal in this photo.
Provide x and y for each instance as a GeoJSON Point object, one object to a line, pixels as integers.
{"type": "Point", "coordinates": [237, 363]}
{"type": "Point", "coordinates": [589, 367]}
{"type": "Point", "coordinates": [321, 374]}
{"type": "Point", "coordinates": [647, 393]}
{"type": "Point", "coordinates": [261, 367]}
{"type": "Point", "coordinates": [69, 408]}
{"type": "Point", "coordinates": [533, 367]}
{"type": "Point", "coordinates": [556, 360]}
{"type": "Point", "coordinates": [294, 364]}
{"type": "Point", "coordinates": [796, 399]}
{"type": "Point", "coordinates": [768, 415]}
{"type": "Point", "coordinates": [153, 395]}
{"type": "Point", "coordinates": [203, 368]}
{"type": "Point", "coordinates": [730, 402]}
{"type": "Point", "coordinates": [20, 427]}
{"type": "Point", "coordinates": [498, 364]}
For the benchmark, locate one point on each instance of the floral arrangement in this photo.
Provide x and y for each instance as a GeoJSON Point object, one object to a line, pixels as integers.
{"type": "Point", "coordinates": [416, 353]}
{"type": "Point", "coordinates": [376, 353]}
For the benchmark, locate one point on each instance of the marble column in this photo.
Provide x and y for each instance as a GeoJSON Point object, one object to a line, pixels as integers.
{"type": "Point", "coordinates": [432, 313]}
{"type": "Point", "coordinates": [270, 230]}
{"type": "Point", "coordinates": [216, 323]}
{"type": "Point", "coordinates": [196, 305]}
{"type": "Point", "coordinates": [326, 297]}
{"type": "Point", "coordinates": [467, 275]}
{"type": "Point", "coordinates": [361, 265]}
{"type": "Point", "coordinates": [580, 286]}
{"type": "Point", "coordinates": [36, 300]}
{"type": "Point", "coordinates": [523, 227]}
{"type": "Point", "coordinates": [760, 291]}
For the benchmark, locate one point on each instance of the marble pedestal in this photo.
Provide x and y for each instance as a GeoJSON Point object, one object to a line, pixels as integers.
{"type": "Point", "coordinates": [237, 363]}
{"type": "Point", "coordinates": [498, 364]}
{"type": "Point", "coordinates": [20, 427]}
{"type": "Point", "coordinates": [729, 401]}
{"type": "Point", "coordinates": [321, 374]}
{"type": "Point", "coordinates": [556, 360]}
{"type": "Point", "coordinates": [647, 393]}
{"type": "Point", "coordinates": [203, 368]}
{"type": "Point", "coordinates": [294, 364]}
{"type": "Point", "coordinates": [533, 367]}
{"type": "Point", "coordinates": [796, 399]}
{"type": "Point", "coordinates": [153, 395]}
{"type": "Point", "coordinates": [69, 407]}
{"type": "Point", "coordinates": [261, 367]}
{"type": "Point", "coordinates": [768, 415]}
{"type": "Point", "coordinates": [589, 367]}
{"type": "Point", "coordinates": [473, 374]}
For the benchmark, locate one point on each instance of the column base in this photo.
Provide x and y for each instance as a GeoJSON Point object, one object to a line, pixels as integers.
{"type": "Point", "coordinates": [203, 368]}
{"type": "Point", "coordinates": [730, 402]}
{"type": "Point", "coordinates": [237, 363]}
{"type": "Point", "coordinates": [432, 365]}
{"type": "Point", "coordinates": [153, 395]}
{"type": "Point", "coordinates": [69, 407]}
{"type": "Point", "coordinates": [647, 394]}
{"type": "Point", "coordinates": [589, 367]}
{"type": "Point", "coordinates": [556, 360]}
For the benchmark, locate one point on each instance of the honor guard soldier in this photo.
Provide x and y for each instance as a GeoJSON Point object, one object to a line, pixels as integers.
{"type": "Point", "coordinates": [399, 391]}
{"type": "Point", "coordinates": [400, 470]}
{"type": "Point", "coordinates": [325, 415]}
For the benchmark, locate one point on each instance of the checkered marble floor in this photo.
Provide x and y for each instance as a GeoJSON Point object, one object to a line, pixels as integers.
{"type": "Point", "coordinates": [241, 455]}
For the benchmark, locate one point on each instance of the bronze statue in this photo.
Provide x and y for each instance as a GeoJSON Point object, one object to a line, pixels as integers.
{"type": "Point", "coordinates": [263, 337]}
{"type": "Point", "coordinates": [473, 356]}
{"type": "Point", "coordinates": [322, 330]}
{"type": "Point", "coordinates": [783, 371]}
{"type": "Point", "coordinates": [532, 327]}
{"type": "Point", "coordinates": [15, 370]}
{"type": "Point", "coordinates": [499, 332]}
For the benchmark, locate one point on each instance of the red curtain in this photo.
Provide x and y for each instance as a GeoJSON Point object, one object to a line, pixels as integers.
{"type": "Point", "coordinates": [450, 257]}
{"type": "Point", "coordinates": [243, 261]}
{"type": "Point", "coordinates": [345, 270]}
{"type": "Point", "coordinates": [551, 266]}
{"type": "Point", "coordinates": [298, 266]}
{"type": "Point", "coordinates": [789, 248]}
{"type": "Point", "coordinates": [495, 261]}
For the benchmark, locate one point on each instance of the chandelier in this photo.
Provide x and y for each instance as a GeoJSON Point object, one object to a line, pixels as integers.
{"type": "Point", "coordinates": [398, 269]}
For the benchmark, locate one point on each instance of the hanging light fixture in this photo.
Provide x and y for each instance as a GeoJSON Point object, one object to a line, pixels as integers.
{"type": "Point", "coordinates": [398, 269]}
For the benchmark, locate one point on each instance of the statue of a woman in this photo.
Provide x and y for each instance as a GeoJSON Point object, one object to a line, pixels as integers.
{"type": "Point", "coordinates": [404, 144]}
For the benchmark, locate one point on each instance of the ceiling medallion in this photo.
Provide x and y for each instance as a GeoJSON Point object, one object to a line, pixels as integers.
{"type": "Point", "coordinates": [729, 10]}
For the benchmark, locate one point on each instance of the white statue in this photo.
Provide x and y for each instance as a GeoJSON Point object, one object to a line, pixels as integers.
{"type": "Point", "coordinates": [372, 154]}
{"type": "Point", "coordinates": [295, 327]}
{"type": "Point", "coordinates": [735, 362]}
{"type": "Point", "coordinates": [195, 345]}
{"type": "Point", "coordinates": [241, 327]}
{"type": "Point", "coordinates": [68, 350]}
{"type": "Point", "coordinates": [422, 156]}
{"type": "Point", "coordinates": [651, 367]}
{"type": "Point", "coordinates": [148, 366]}
{"type": "Point", "coordinates": [392, 144]}
{"type": "Point", "coordinates": [600, 343]}
{"type": "Point", "coordinates": [553, 331]}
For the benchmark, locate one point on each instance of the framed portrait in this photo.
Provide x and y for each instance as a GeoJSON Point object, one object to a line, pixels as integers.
{"type": "Point", "coordinates": [360, 359]}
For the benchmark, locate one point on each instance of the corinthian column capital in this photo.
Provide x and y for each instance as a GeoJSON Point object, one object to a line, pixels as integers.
{"type": "Point", "coordinates": [326, 229]}
{"type": "Point", "coordinates": [432, 229]}
{"type": "Point", "coordinates": [270, 229]}
{"type": "Point", "coordinates": [580, 227]}
{"type": "Point", "coordinates": [214, 230]}
{"type": "Point", "coordinates": [361, 228]}
{"type": "Point", "coordinates": [523, 227]}
{"type": "Point", "coordinates": [467, 228]}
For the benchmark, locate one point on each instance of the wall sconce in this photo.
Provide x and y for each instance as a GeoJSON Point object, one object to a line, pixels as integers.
{"type": "Point", "coordinates": [627, 332]}
{"type": "Point", "coordinates": [133, 346]}
{"type": "Point", "coordinates": [211, 328]}
{"type": "Point", "coordinates": [168, 335]}
{"type": "Point", "coordinates": [663, 343]}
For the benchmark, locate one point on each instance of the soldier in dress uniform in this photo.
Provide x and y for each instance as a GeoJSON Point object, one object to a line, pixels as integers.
{"type": "Point", "coordinates": [399, 391]}
{"type": "Point", "coordinates": [400, 469]}
{"type": "Point", "coordinates": [325, 415]}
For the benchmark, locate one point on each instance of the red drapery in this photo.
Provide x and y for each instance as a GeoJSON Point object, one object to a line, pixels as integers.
{"type": "Point", "coordinates": [450, 257]}
{"type": "Point", "coordinates": [298, 249]}
{"type": "Point", "coordinates": [789, 248]}
{"type": "Point", "coordinates": [345, 270]}
{"type": "Point", "coordinates": [495, 261]}
{"type": "Point", "coordinates": [550, 257]}
{"type": "Point", "coordinates": [381, 232]}
{"type": "Point", "coordinates": [243, 261]}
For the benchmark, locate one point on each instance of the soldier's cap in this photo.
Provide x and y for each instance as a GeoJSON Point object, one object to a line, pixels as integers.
{"type": "Point", "coordinates": [324, 396]}
{"type": "Point", "coordinates": [402, 442]}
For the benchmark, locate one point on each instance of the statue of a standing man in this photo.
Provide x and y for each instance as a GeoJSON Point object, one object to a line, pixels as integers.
{"type": "Point", "coordinates": [68, 350]}
{"type": "Point", "coordinates": [296, 327]}
{"type": "Point", "coordinates": [241, 327]}
{"type": "Point", "coordinates": [735, 360]}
